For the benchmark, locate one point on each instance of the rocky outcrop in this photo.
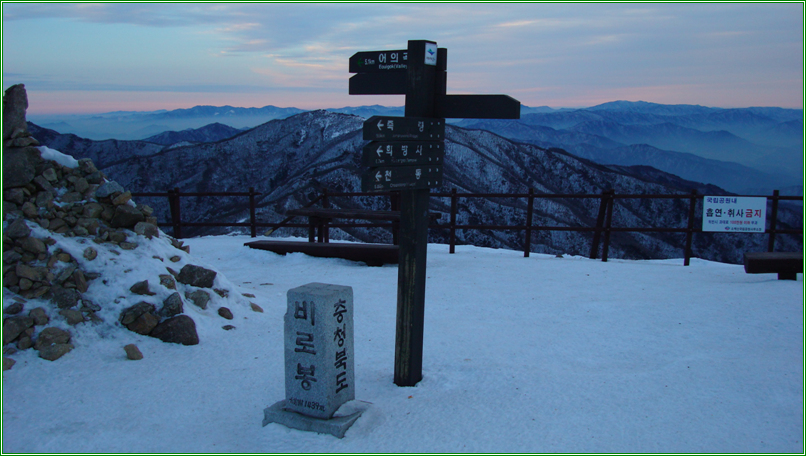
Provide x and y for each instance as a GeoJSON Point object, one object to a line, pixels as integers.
{"type": "Point", "coordinates": [62, 220]}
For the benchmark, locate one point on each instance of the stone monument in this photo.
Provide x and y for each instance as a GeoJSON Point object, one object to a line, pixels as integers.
{"type": "Point", "coordinates": [319, 361]}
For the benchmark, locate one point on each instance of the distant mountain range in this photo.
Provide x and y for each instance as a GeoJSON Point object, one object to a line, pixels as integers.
{"type": "Point", "coordinates": [286, 160]}
{"type": "Point", "coordinates": [747, 150]}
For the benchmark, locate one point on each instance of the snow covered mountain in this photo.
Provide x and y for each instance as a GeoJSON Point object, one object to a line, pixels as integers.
{"type": "Point", "coordinates": [740, 149]}
{"type": "Point", "coordinates": [288, 160]}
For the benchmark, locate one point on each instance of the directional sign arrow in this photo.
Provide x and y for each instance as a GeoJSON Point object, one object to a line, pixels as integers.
{"type": "Point", "coordinates": [478, 107]}
{"type": "Point", "coordinates": [379, 61]}
{"type": "Point", "coordinates": [400, 153]}
{"type": "Point", "coordinates": [404, 128]}
{"type": "Point", "coordinates": [393, 83]}
{"type": "Point", "coordinates": [401, 178]}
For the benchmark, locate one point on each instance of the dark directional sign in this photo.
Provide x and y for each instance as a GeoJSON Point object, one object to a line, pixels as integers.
{"type": "Point", "coordinates": [401, 178]}
{"type": "Point", "coordinates": [388, 128]}
{"type": "Point", "coordinates": [478, 107]}
{"type": "Point", "coordinates": [397, 153]}
{"type": "Point", "coordinates": [378, 84]}
{"type": "Point", "coordinates": [379, 61]}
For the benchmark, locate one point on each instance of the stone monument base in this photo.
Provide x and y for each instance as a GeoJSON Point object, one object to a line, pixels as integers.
{"type": "Point", "coordinates": [337, 425]}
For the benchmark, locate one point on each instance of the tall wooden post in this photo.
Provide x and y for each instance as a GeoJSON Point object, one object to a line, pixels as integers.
{"type": "Point", "coordinates": [420, 102]}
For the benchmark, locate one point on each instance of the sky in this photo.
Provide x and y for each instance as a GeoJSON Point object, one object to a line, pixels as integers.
{"type": "Point", "coordinates": [103, 57]}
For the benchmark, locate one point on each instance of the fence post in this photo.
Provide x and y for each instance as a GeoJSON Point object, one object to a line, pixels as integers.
{"type": "Point", "coordinates": [176, 216]}
{"type": "Point", "coordinates": [597, 233]}
{"type": "Point", "coordinates": [608, 223]}
{"type": "Point", "coordinates": [773, 221]}
{"type": "Point", "coordinates": [452, 237]}
{"type": "Point", "coordinates": [252, 218]}
{"type": "Point", "coordinates": [324, 228]}
{"type": "Point", "coordinates": [527, 242]}
{"type": "Point", "coordinates": [690, 231]}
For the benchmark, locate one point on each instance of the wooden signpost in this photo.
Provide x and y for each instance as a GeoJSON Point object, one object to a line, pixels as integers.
{"type": "Point", "coordinates": [419, 73]}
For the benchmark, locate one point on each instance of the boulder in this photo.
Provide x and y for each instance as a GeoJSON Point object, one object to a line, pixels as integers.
{"type": "Point", "coordinates": [141, 288]}
{"type": "Point", "coordinates": [199, 297]}
{"type": "Point", "coordinates": [172, 306]}
{"type": "Point", "coordinates": [15, 103]}
{"type": "Point", "coordinates": [13, 309]}
{"type": "Point", "coordinates": [130, 314]}
{"type": "Point", "coordinates": [64, 298]}
{"type": "Point", "coordinates": [196, 276]}
{"type": "Point", "coordinates": [8, 363]}
{"type": "Point", "coordinates": [179, 330]}
{"type": "Point", "coordinates": [17, 229]}
{"type": "Point", "coordinates": [51, 336]}
{"type": "Point", "coordinates": [126, 216]}
{"type": "Point", "coordinates": [19, 166]}
{"type": "Point", "coordinates": [39, 315]}
{"type": "Point", "coordinates": [14, 326]}
{"type": "Point", "coordinates": [144, 324]}
{"type": "Point", "coordinates": [54, 352]}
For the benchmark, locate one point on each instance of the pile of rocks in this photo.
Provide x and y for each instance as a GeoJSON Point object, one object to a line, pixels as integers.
{"type": "Point", "coordinates": [76, 200]}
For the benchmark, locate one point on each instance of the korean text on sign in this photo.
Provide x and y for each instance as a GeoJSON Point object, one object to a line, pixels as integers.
{"type": "Point", "coordinates": [734, 213]}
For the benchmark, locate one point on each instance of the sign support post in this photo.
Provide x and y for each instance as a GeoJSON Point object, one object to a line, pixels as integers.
{"type": "Point", "coordinates": [420, 98]}
{"type": "Point", "coordinates": [419, 72]}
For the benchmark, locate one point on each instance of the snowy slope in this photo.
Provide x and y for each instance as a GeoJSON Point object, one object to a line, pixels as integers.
{"type": "Point", "coordinates": [537, 354]}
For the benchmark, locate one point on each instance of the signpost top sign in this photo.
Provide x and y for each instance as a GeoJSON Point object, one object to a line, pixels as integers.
{"type": "Point", "coordinates": [379, 61]}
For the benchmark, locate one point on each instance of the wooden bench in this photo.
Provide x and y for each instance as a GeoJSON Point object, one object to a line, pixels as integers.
{"type": "Point", "coordinates": [786, 264]}
{"type": "Point", "coordinates": [319, 218]}
{"type": "Point", "coordinates": [371, 254]}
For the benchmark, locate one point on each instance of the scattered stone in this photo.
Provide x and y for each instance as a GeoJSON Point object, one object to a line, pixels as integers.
{"type": "Point", "coordinates": [89, 306]}
{"type": "Point", "coordinates": [126, 216]}
{"type": "Point", "coordinates": [141, 288]}
{"type": "Point", "coordinates": [90, 253]}
{"type": "Point", "coordinates": [34, 245]}
{"type": "Point", "coordinates": [221, 292]}
{"type": "Point", "coordinates": [14, 326]}
{"type": "Point", "coordinates": [72, 316]}
{"type": "Point", "coordinates": [248, 295]}
{"type": "Point", "coordinates": [107, 189]}
{"type": "Point", "coordinates": [144, 323]}
{"type": "Point", "coordinates": [130, 314]}
{"type": "Point", "coordinates": [51, 336]}
{"type": "Point", "coordinates": [18, 228]}
{"type": "Point", "coordinates": [175, 259]}
{"type": "Point", "coordinates": [167, 281]}
{"type": "Point", "coordinates": [40, 316]}
{"type": "Point", "coordinates": [13, 309]}
{"type": "Point", "coordinates": [117, 237]}
{"type": "Point", "coordinates": [31, 273]}
{"type": "Point", "coordinates": [25, 342]}
{"type": "Point", "coordinates": [225, 313]}
{"type": "Point", "coordinates": [172, 306]}
{"type": "Point", "coordinates": [123, 198]}
{"type": "Point", "coordinates": [198, 297]}
{"type": "Point", "coordinates": [179, 330]}
{"type": "Point", "coordinates": [64, 298]}
{"type": "Point", "coordinates": [256, 307]}
{"type": "Point", "coordinates": [9, 350]}
{"type": "Point", "coordinates": [227, 327]}
{"type": "Point", "coordinates": [128, 245]}
{"type": "Point", "coordinates": [196, 276]}
{"type": "Point", "coordinates": [8, 363]}
{"type": "Point", "coordinates": [147, 229]}
{"type": "Point", "coordinates": [81, 282]}
{"type": "Point", "coordinates": [54, 352]}
{"type": "Point", "coordinates": [19, 165]}
{"type": "Point", "coordinates": [132, 352]}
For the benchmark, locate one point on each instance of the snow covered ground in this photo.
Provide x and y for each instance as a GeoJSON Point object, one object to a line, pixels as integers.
{"type": "Point", "coordinates": [536, 355]}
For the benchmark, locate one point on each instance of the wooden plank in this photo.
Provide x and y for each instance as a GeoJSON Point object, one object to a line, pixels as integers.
{"type": "Point", "coordinates": [372, 254]}
{"type": "Point", "coordinates": [345, 213]}
{"type": "Point", "coordinates": [771, 262]}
